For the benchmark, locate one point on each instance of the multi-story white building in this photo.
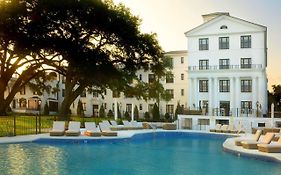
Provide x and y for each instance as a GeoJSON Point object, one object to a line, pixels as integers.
{"type": "Point", "coordinates": [176, 85]}
{"type": "Point", "coordinates": [227, 66]}
{"type": "Point", "coordinates": [29, 101]}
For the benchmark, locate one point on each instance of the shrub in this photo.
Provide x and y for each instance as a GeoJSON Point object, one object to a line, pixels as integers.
{"type": "Point", "coordinates": [101, 112]}
{"type": "Point", "coordinates": [46, 110]}
{"type": "Point", "coordinates": [147, 116]}
{"type": "Point", "coordinates": [127, 115]}
{"type": "Point", "coordinates": [167, 117]}
{"type": "Point", "coordinates": [136, 113]}
{"type": "Point", "coordinates": [155, 113]}
{"type": "Point", "coordinates": [80, 111]}
{"type": "Point", "coordinates": [179, 110]}
{"type": "Point", "coordinates": [110, 114]}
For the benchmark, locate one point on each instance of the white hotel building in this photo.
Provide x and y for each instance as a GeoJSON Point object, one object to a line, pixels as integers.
{"type": "Point", "coordinates": [27, 101]}
{"type": "Point", "coordinates": [227, 60]}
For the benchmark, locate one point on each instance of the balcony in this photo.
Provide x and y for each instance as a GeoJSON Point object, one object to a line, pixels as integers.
{"type": "Point", "coordinates": [226, 67]}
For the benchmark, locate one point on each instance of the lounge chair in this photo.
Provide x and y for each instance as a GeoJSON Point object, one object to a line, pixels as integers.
{"type": "Point", "coordinates": [218, 127]}
{"type": "Point", "coordinates": [271, 148]}
{"type": "Point", "coordinates": [254, 144]}
{"type": "Point", "coordinates": [254, 138]}
{"type": "Point", "coordinates": [73, 129]}
{"type": "Point", "coordinates": [92, 130]}
{"type": "Point", "coordinates": [224, 129]}
{"type": "Point", "coordinates": [114, 126]}
{"type": "Point", "coordinates": [58, 128]}
{"type": "Point", "coordinates": [128, 125]}
{"type": "Point", "coordinates": [105, 129]}
{"type": "Point", "coordinates": [136, 125]}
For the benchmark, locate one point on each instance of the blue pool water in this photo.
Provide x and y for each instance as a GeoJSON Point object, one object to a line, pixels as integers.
{"type": "Point", "coordinates": [145, 154]}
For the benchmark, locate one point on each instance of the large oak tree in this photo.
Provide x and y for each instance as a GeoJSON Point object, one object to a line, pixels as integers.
{"type": "Point", "coordinates": [94, 43]}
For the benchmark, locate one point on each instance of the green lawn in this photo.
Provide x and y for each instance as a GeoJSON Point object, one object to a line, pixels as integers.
{"type": "Point", "coordinates": [25, 125]}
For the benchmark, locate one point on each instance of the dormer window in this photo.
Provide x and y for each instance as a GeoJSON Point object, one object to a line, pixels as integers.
{"type": "Point", "coordinates": [223, 27]}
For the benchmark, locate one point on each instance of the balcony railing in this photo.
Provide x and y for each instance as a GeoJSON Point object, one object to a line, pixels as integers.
{"type": "Point", "coordinates": [225, 67]}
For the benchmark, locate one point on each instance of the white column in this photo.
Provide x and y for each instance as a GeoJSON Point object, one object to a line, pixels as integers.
{"type": "Point", "coordinates": [132, 114]}
{"type": "Point", "coordinates": [190, 92]}
{"type": "Point", "coordinates": [232, 96]}
{"type": "Point", "coordinates": [210, 98]}
{"type": "Point", "coordinates": [195, 92]}
{"type": "Point", "coordinates": [237, 94]}
{"type": "Point", "coordinates": [215, 92]}
{"type": "Point", "coordinates": [254, 92]}
{"type": "Point", "coordinates": [115, 109]}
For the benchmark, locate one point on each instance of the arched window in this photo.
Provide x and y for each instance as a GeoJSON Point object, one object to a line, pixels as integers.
{"type": "Point", "coordinates": [223, 27]}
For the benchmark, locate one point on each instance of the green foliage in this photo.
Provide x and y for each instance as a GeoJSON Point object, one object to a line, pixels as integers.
{"type": "Point", "coordinates": [167, 117]}
{"type": "Point", "coordinates": [136, 113]}
{"type": "Point", "coordinates": [110, 114]}
{"type": "Point", "coordinates": [155, 113]}
{"type": "Point", "coordinates": [46, 110]}
{"type": "Point", "coordinates": [179, 110]}
{"type": "Point", "coordinates": [80, 111]}
{"type": "Point", "coordinates": [119, 115]}
{"type": "Point", "coordinates": [147, 116]}
{"type": "Point", "coordinates": [101, 112]}
{"type": "Point", "coordinates": [276, 97]}
{"type": "Point", "coordinates": [127, 115]}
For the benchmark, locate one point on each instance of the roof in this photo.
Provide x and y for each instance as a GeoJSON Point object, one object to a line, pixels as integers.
{"type": "Point", "coordinates": [222, 16]}
{"type": "Point", "coordinates": [176, 52]}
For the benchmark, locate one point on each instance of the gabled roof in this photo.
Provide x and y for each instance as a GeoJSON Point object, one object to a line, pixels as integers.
{"type": "Point", "coordinates": [223, 16]}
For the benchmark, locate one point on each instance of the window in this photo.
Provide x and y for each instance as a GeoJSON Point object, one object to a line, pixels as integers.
{"type": "Point", "coordinates": [104, 92]}
{"type": "Point", "coordinates": [63, 79]}
{"type": "Point", "coordinates": [140, 76]}
{"type": "Point", "coordinates": [182, 60]}
{"type": "Point", "coordinates": [22, 91]}
{"type": "Point", "coordinates": [95, 94]}
{"type": "Point", "coordinates": [35, 92]}
{"type": "Point", "coordinates": [246, 41]}
{"type": "Point", "coordinates": [224, 86]}
{"type": "Point", "coordinates": [246, 107]}
{"type": "Point", "coordinates": [223, 27]}
{"type": "Point", "coordinates": [203, 44]}
{"type": "Point", "coordinates": [22, 103]}
{"type": "Point", "coordinates": [115, 94]}
{"type": "Point", "coordinates": [223, 42]}
{"type": "Point", "coordinates": [182, 92]}
{"type": "Point", "coordinates": [84, 106]}
{"type": "Point", "coordinates": [140, 107]}
{"type": "Point", "coordinates": [169, 78]}
{"type": "Point", "coordinates": [171, 92]}
{"type": "Point", "coordinates": [83, 94]}
{"type": "Point", "coordinates": [105, 106]}
{"type": "Point", "coordinates": [150, 107]}
{"type": "Point", "coordinates": [182, 76]}
{"type": "Point", "coordinates": [203, 64]}
{"type": "Point", "coordinates": [151, 78]}
{"type": "Point", "coordinates": [224, 63]}
{"type": "Point", "coordinates": [246, 63]}
{"type": "Point", "coordinates": [246, 85]}
{"type": "Point", "coordinates": [203, 85]}
{"type": "Point", "coordinates": [62, 92]}
{"type": "Point", "coordinates": [170, 109]}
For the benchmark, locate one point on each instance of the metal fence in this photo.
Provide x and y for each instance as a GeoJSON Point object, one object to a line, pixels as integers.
{"type": "Point", "coordinates": [24, 125]}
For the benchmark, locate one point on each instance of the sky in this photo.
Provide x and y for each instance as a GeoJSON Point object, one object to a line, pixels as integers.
{"type": "Point", "coordinates": [169, 19]}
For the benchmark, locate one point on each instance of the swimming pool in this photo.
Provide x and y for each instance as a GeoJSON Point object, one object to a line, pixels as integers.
{"type": "Point", "coordinates": [151, 153]}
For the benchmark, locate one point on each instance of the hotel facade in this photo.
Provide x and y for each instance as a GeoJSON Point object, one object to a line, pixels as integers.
{"type": "Point", "coordinates": [28, 101]}
{"type": "Point", "coordinates": [227, 60]}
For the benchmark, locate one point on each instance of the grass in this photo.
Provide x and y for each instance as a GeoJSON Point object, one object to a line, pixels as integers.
{"type": "Point", "coordinates": [25, 125]}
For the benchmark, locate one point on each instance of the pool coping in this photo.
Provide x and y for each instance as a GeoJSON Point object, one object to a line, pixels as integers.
{"type": "Point", "coordinates": [121, 135]}
{"type": "Point", "coordinates": [230, 147]}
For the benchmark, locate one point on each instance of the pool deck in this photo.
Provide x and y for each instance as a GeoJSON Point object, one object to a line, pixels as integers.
{"type": "Point", "coordinates": [228, 145]}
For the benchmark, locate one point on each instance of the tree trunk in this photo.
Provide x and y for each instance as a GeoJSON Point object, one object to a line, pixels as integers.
{"type": "Point", "coordinates": [64, 111]}
{"type": "Point", "coordinates": [3, 103]}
